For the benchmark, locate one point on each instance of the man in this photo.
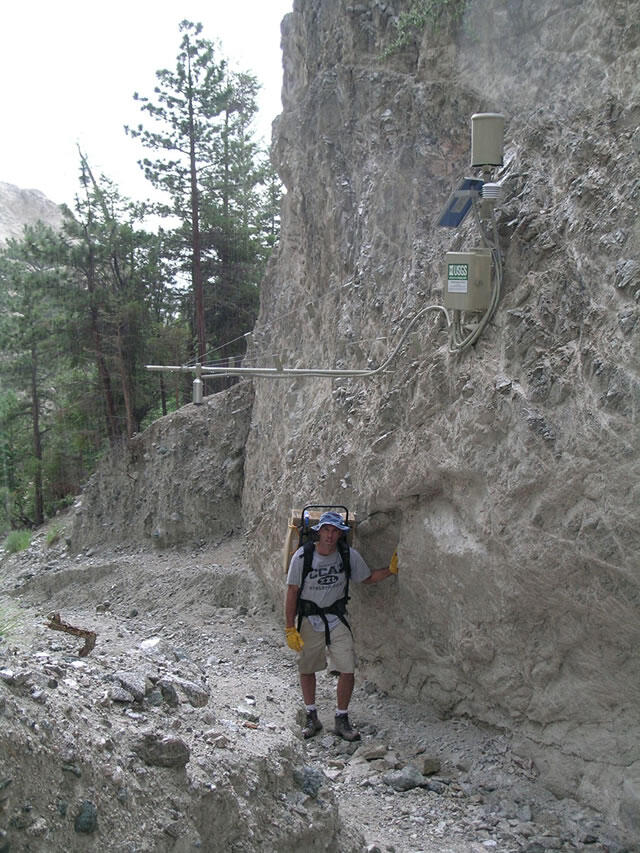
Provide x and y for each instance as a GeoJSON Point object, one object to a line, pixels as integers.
{"type": "Point", "coordinates": [321, 610]}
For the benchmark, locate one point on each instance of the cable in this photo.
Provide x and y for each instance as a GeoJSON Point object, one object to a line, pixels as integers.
{"type": "Point", "coordinates": [280, 372]}
{"type": "Point", "coordinates": [283, 316]}
{"type": "Point", "coordinates": [406, 332]}
{"type": "Point", "coordinates": [461, 336]}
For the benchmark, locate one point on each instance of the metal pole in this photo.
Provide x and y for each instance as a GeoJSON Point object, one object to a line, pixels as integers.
{"type": "Point", "coordinates": [274, 372]}
{"type": "Point", "coordinates": [198, 386]}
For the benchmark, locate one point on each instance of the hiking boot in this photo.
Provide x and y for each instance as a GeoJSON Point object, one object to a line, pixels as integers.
{"type": "Point", "coordinates": [343, 728]}
{"type": "Point", "coordinates": [312, 726]}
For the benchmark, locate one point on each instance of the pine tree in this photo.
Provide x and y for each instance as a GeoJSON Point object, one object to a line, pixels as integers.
{"type": "Point", "coordinates": [28, 334]}
{"type": "Point", "coordinates": [118, 283]}
{"type": "Point", "coordinates": [188, 102]}
{"type": "Point", "coordinates": [212, 170]}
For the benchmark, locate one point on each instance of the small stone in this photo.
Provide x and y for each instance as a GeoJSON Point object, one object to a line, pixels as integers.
{"type": "Point", "coordinates": [248, 715]}
{"type": "Point", "coordinates": [87, 818]}
{"type": "Point", "coordinates": [38, 828]}
{"type": "Point", "coordinates": [169, 693]}
{"type": "Point", "coordinates": [196, 694]}
{"type": "Point", "coordinates": [309, 779]}
{"type": "Point", "coordinates": [435, 786]}
{"type": "Point", "coordinates": [524, 813]}
{"type": "Point", "coordinates": [430, 766]}
{"type": "Point", "coordinates": [119, 694]}
{"type": "Point", "coordinates": [158, 751]}
{"type": "Point", "coordinates": [174, 829]}
{"type": "Point", "coordinates": [133, 683]}
{"type": "Point", "coordinates": [546, 842]}
{"type": "Point", "coordinates": [155, 698]}
{"type": "Point", "coordinates": [371, 751]}
{"type": "Point", "coordinates": [405, 779]}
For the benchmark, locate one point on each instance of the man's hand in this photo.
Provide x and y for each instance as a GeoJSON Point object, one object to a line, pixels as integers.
{"type": "Point", "coordinates": [294, 640]}
{"type": "Point", "coordinates": [378, 575]}
{"type": "Point", "coordinates": [393, 565]}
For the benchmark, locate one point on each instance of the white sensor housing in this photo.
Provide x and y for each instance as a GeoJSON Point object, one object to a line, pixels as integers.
{"type": "Point", "coordinates": [487, 139]}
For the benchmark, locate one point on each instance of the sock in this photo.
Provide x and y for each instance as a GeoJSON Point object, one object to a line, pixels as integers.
{"type": "Point", "coordinates": [340, 713]}
{"type": "Point", "coordinates": [311, 708]}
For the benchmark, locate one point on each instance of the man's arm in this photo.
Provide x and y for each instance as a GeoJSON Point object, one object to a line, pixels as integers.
{"type": "Point", "coordinates": [294, 640]}
{"type": "Point", "coordinates": [378, 575]}
{"type": "Point", "coordinates": [290, 605]}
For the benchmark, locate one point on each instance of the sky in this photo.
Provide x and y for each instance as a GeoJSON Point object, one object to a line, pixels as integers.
{"type": "Point", "coordinates": [69, 69]}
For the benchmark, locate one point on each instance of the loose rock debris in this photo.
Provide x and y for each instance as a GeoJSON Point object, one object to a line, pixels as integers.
{"type": "Point", "coordinates": [180, 732]}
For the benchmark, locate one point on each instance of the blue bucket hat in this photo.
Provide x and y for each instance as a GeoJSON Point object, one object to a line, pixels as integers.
{"type": "Point", "coordinates": [333, 518]}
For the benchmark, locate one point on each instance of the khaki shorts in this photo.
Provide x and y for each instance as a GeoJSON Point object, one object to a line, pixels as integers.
{"type": "Point", "coordinates": [313, 657]}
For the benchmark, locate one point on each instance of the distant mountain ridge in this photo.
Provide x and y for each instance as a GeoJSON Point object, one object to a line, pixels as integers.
{"type": "Point", "coordinates": [20, 207]}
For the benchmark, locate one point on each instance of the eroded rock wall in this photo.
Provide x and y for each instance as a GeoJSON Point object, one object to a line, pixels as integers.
{"type": "Point", "coordinates": [507, 477]}
{"type": "Point", "coordinates": [178, 482]}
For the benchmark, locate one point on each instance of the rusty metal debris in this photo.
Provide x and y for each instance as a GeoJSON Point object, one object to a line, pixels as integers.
{"type": "Point", "coordinates": [56, 624]}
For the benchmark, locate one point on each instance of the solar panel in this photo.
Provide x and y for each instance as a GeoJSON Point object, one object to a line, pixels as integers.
{"type": "Point", "coordinates": [459, 203]}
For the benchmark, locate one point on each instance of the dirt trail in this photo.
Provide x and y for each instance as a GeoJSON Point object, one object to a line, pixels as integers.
{"type": "Point", "coordinates": [179, 730]}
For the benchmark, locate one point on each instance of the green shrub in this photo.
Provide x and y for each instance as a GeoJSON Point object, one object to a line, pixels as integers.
{"type": "Point", "coordinates": [53, 535]}
{"type": "Point", "coordinates": [422, 14]}
{"type": "Point", "coordinates": [17, 540]}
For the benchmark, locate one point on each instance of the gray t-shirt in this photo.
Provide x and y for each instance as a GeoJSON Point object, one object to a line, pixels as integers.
{"type": "Point", "coordinates": [326, 582]}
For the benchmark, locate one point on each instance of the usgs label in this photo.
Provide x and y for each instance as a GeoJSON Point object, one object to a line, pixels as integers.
{"type": "Point", "coordinates": [457, 278]}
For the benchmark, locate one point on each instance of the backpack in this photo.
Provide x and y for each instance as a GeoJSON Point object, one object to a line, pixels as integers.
{"type": "Point", "coordinates": [306, 540]}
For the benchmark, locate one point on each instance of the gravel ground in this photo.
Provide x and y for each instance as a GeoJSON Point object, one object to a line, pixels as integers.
{"type": "Point", "coordinates": [190, 692]}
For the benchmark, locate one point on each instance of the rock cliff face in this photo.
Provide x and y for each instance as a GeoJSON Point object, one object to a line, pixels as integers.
{"type": "Point", "coordinates": [180, 481]}
{"type": "Point", "coordinates": [20, 207]}
{"type": "Point", "coordinates": [507, 476]}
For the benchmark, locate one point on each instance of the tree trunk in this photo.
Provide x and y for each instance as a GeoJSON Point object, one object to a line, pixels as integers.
{"type": "Point", "coordinates": [103, 372]}
{"type": "Point", "coordinates": [105, 380]}
{"type": "Point", "coordinates": [163, 395]}
{"type": "Point", "coordinates": [196, 262]}
{"type": "Point", "coordinates": [38, 498]}
{"type": "Point", "coordinates": [125, 381]}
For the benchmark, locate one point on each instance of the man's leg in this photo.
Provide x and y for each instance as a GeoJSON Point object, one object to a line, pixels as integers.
{"type": "Point", "coordinates": [312, 658]}
{"type": "Point", "coordinates": [344, 658]}
{"type": "Point", "coordinates": [308, 685]}
{"type": "Point", "coordinates": [345, 689]}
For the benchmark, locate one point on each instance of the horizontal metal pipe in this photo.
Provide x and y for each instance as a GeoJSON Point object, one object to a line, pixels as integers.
{"type": "Point", "coordinates": [273, 372]}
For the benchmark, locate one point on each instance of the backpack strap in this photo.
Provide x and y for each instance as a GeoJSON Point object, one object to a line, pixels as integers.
{"type": "Point", "coordinates": [307, 563]}
{"type": "Point", "coordinates": [345, 555]}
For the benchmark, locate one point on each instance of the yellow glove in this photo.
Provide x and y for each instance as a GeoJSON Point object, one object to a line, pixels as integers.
{"type": "Point", "coordinates": [393, 565]}
{"type": "Point", "coordinates": [294, 640]}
